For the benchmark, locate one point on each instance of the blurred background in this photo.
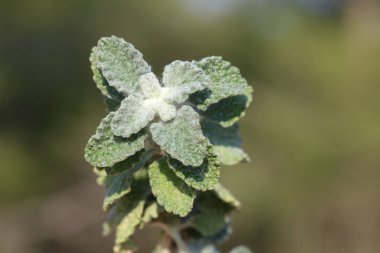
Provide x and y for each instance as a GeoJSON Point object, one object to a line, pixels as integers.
{"type": "Point", "coordinates": [313, 130]}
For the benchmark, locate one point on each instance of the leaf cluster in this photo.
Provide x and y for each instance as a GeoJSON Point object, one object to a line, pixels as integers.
{"type": "Point", "coordinates": [159, 151]}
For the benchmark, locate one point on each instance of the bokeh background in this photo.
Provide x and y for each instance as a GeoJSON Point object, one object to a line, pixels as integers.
{"type": "Point", "coordinates": [313, 130]}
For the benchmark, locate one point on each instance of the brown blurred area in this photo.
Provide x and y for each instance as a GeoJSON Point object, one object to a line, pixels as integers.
{"type": "Point", "coordinates": [313, 130]}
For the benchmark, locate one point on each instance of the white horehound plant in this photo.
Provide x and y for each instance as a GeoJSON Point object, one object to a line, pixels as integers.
{"type": "Point", "coordinates": [159, 151]}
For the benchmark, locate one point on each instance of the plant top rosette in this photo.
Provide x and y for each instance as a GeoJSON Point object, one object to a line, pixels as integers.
{"type": "Point", "coordinates": [159, 151]}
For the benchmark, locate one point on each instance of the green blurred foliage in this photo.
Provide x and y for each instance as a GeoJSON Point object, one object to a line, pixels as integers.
{"type": "Point", "coordinates": [312, 131]}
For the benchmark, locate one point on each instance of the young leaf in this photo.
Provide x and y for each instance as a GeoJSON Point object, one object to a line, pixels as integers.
{"type": "Point", "coordinates": [104, 149]}
{"type": "Point", "coordinates": [171, 192]}
{"type": "Point", "coordinates": [204, 177]}
{"type": "Point", "coordinates": [120, 63]}
{"type": "Point", "coordinates": [182, 79]}
{"type": "Point", "coordinates": [182, 138]}
{"type": "Point", "coordinates": [131, 116]}
{"type": "Point", "coordinates": [226, 196]}
{"type": "Point", "coordinates": [226, 142]}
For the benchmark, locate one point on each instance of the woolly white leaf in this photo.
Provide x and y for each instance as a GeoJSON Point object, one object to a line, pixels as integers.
{"type": "Point", "coordinates": [149, 85]}
{"type": "Point", "coordinates": [171, 192]}
{"type": "Point", "coordinates": [104, 149]}
{"type": "Point", "coordinates": [132, 116]}
{"type": "Point", "coordinates": [120, 63]}
{"type": "Point", "coordinates": [181, 79]}
{"type": "Point", "coordinates": [182, 138]}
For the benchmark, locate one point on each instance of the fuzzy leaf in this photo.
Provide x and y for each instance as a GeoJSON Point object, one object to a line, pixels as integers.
{"type": "Point", "coordinates": [226, 142]}
{"type": "Point", "coordinates": [131, 116]}
{"type": "Point", "coordinates": [204, 177]}
{"type": "Point", "coordinates": [100, 81]}
{"type": "Point", "coordinates": [210, 221]}
{"type": "Point", "coordinates": [227, 95]}
{"type": "Point", "coordinates": [226, 196]}
{"type": "Point", "coordinates": [149, 85]}
{"type": "Point", "coordinates": [150, 213]}
{"type": "Point", "coordinates": [128, 223]}
{"type": "Point", "coordinates": [182, 138]}
{"type": "Point", "coordinates": [116, 186]}
{"type": "Point", "coordinates": [226, 81]}
{"type": "Point", "coordinates": [104, 149]}
{"type": "Point", "coordinates": [120, 63]}
{"type": "Point", "coordinates": [229, 110]}
{"type": "Point", "coordinates": [241, 249]}
{"type": "Point", "coordinates": [183, 79]}
{"type": "Point", "coordinates": [125, 165]}
{"type": "Point", "coordinates": [171, 192]}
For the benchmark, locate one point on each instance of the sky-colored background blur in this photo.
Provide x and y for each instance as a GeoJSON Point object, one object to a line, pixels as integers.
{"type": "Point", "coordinates": [313, 130]}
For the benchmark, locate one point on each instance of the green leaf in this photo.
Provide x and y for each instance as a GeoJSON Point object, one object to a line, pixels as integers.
{"type": "Point", "coordinates": [127, 225]}
{"type": "Point", "coordinates": [182, 79]}
{"type": "Point", "coordinates": [120, 63]}
{"type": "Point", "coordinates": [204, 177]}
{"type": "Point", "coordinates": [131, 116]}
{"type": "Point", "coordinates": [116, 186]}
{"type": "Point", "coordinates": [226, 196]}
{"type": "Point", "coordinates": [210, 221]}
{"type": "Point", "coordinates": [221, 235]}
{"type": "Point", "coordinates": [171, 192]}
{"type": "Point", "coordinates": [125, 165]}
{"type": "Point", "coordinates": [182, 138]}
{"type": "Point", "coordinates": [226, 81]}
{"type": "Point", "coordinates": [227, 96]}
{"type": "Point", "coordinates": [241, 249]}
{"type": "Point", "coordinates": [229, 110]}
{"type": "Point", "coordinates": [151, 212]}
{"type": "Point", "coordinates": [104, 149]}
{"type": "Point", "coordinates": [101, 83]}
{"type": "Point", "coordinates": [101, 175]}
{"type": "Point", "coordinates": [126, 214]}
{"type": "Point", "coordinates": [226, 142]}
